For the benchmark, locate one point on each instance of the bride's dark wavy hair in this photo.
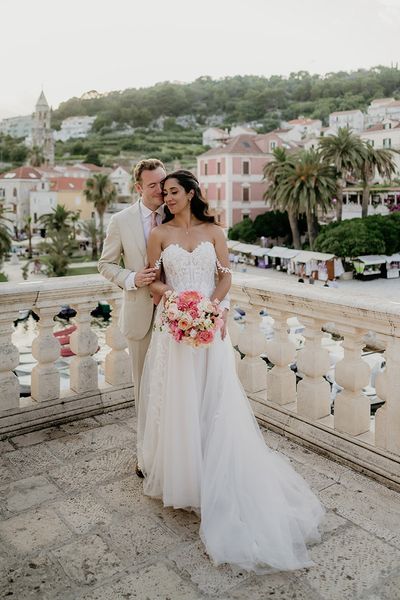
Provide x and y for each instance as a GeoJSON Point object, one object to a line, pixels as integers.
{"type": "Point", "coordinates": [198, 206]}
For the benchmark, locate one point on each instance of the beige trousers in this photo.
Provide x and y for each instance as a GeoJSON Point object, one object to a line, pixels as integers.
{"type": "Point", "coordinates": [137, 351]}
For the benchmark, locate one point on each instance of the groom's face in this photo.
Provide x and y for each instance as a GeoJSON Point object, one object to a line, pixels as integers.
{"type": "Point", "coordinates": [150, 187]}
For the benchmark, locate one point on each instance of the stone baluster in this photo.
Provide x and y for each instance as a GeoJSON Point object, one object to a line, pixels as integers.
{"type": "Point", "coordinates": [281, 352]}
{"type": "Point", "coordinates": [387, 418]}
{"type": "Point", "coordinates": [352, 407]}
{"type": "Point", "coordinates": [9, 360]}
{"type": "Point", "coordinates": [84, 343]}
{"type": "Point", "coordinates": [252, 368]}
{"type": "Point", "coordinates": [45, 379]}
{"type": "Point", "coordinates": [313, 391]}
{"type": "Point", "coordinates": [118, 370]}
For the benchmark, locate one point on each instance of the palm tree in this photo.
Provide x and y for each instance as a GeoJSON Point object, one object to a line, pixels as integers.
{"type": "Point", "coordinates": [60, 245]}
{"type": "Point", "coordinates": [101, 191]}
{"type": "Point", "coordinates": [273, 172]}
{"type": "Point", "coordinates": [345, 152]}
{"type": "Point", "coordinates": [89, 228]}
{"type": "Point", "coordinates": [74, 221]}
{"type": "Point", "coordinates": [305, 184]}
{"type": "Point", "coordinates": [375, 159]}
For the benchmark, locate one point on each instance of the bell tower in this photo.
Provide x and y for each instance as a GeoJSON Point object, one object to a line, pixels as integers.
{"type": "Point", "coordinates": [42, 134]}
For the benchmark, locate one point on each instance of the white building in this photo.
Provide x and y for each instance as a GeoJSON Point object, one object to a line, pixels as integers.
{"type": "Point", "coordinates": [215, 137]}
{"type": "Point", "coordinates": [122, 180]}
{"type": "Point", "coordinates": [17, 127]}
{"type": "Point", "coordinates": [353, 119]}
{"type": "Point", "coordinates": [241, 130]}
{"type": "Point", "coordinates": [15, 187]}
{"type": "Point", "coordinates": [385, 135]}
{"type": "Point", "coordinates": [42, 201]}
{"type": "Point", "coordinates": [75, 127]}
{"type": "Point", "coordinates": [381, 109]}
{"type": "Point", "coordinates": [300, 129]}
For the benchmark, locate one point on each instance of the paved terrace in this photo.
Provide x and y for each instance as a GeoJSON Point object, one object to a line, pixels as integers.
{"type": "Point", "coordinates": [75, 526]}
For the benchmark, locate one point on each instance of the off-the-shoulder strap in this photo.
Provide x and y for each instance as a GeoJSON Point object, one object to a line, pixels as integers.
{"type": "Point", "coordinates": [221, 268]}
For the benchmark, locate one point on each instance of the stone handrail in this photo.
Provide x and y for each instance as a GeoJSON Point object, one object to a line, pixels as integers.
{"type": "Point", "coordinates": [356, 319]}
{"type": "Point", "coordinates": [47, 404]}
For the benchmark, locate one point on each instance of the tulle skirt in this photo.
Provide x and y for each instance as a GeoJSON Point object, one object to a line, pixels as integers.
{"type": "Point", "coordinates": [201, 449]}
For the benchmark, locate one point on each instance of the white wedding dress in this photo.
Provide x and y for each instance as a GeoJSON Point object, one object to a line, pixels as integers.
{"type": "Point", "coordinates": [200, 446]}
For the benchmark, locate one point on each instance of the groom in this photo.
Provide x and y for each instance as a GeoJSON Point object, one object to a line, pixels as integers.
{"type": "Point", "coordinates": [127, 236]}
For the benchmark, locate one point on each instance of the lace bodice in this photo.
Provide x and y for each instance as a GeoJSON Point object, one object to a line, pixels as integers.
{"type": "Point", "coordinates": [190, 270]}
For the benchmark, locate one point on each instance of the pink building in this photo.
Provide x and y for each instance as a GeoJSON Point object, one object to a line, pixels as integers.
{"type": "Point", "coordinates": [231, 177]}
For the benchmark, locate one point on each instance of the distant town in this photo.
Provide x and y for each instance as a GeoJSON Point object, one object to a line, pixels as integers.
{"type": "Point", "coordinates": [231, 171]}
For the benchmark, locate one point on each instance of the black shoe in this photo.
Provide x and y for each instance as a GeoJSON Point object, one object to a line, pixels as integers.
{"type": "Point", "coordinates": [139, 472]}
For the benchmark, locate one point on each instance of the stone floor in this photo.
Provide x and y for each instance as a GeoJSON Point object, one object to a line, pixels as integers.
{"type": "Point", "coordinates": [74, 525]}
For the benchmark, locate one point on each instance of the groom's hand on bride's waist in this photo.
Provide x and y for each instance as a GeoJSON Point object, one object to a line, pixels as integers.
{"type": "Point", "coordinates": [145, 277]}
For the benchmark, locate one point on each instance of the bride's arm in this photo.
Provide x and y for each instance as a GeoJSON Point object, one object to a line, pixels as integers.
{"type": "Point", "coordinates": [223, 266]}
{"type": "Point", "coordinates": [154, 251]}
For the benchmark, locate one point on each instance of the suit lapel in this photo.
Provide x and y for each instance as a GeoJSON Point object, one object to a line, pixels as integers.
{"type": "Point", "coordinates": [137, 229]}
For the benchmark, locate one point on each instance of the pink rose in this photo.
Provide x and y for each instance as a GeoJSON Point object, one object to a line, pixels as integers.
{"type": "Point", "coordinates": [205, 337]}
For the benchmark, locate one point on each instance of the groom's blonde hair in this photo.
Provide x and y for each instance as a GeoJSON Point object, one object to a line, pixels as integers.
{"type": "Point", "coordinates": [147, 164]}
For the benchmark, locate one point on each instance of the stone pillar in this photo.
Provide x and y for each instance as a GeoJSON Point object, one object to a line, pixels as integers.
{"type": "Point", "coordinates": [45, 380]}
{"type": "Point", "coordinates": [281, 352]}
{"type": "Point", "coordinates": [9, 360]}
{"type": "Point", "coordinates": [352, 408]}
{"type": "Point", "coordinates": [252, 368]}
{"type": "Point", "coordinates": [313, 391]}
{"type": "Point", "coordinates": [84, 343]}
{"type": "Point", "coordinates": [118, 370]}
{"type": "Point", "coordinates": [387, 418]}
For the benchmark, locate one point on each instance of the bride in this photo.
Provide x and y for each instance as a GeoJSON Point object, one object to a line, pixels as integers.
{"type": "Point", "coordinates": [199, 444]}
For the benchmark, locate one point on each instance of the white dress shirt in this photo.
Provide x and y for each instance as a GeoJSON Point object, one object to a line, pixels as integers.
{"type": "Point", "coordinates": [145, 214]}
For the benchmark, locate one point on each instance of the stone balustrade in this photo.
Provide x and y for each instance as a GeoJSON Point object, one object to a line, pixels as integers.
{"type": "Point", "coordinates": [304, 410]}
{"type": "Point", "coordinates": [47, 404]}
{"type": "Point", "coordinates": [298, 407]}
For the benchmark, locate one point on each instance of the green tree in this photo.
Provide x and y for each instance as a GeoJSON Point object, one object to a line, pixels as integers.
{"type": "Point", "coordinates": [345, 152]}
{"type": "Point", "coordinates": [5, 233]}
{"type": "Point", "coordinates": [374, 159]}
{"type": "Point", "coordinates": [36, 156]}
{"type": "Point", "coordinates": [93, 158]}
{"type": "Point", "coordinates": [243, 232]}
{"type": "Point", "coordinates": [59, 245]}
{"type": "Point", "coordinates": [101, 191]}
{"type": "Point", "coordinates": [377, 234]}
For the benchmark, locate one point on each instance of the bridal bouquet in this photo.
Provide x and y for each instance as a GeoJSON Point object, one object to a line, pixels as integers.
{"type": "Point", "coordinates": [190, 318]}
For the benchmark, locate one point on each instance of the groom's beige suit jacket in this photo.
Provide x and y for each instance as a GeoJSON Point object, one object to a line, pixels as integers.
{"type": "Point", "coordinates": [125, 239]}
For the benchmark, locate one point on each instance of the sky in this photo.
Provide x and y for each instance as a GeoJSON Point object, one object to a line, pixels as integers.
{"type": "Point", "coordinates": [70, 47]}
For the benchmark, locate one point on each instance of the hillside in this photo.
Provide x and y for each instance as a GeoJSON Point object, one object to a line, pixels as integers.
{"type": "Point", "coordinates": [238, 99]}
{"type": "Point", "coordinates": [167, 119]}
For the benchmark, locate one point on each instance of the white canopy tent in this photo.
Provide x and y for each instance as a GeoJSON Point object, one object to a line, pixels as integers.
{"type": "Point", "coordinates": [305, 256]}
{"type": "Point", "coordinates": [246, 248]}
{"type": "Point", "coordinates": [372, 259]}
{"type": "Point", "coordinates": [282, 252]}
